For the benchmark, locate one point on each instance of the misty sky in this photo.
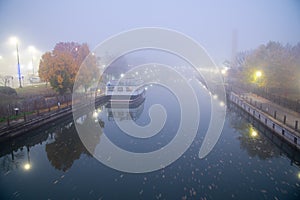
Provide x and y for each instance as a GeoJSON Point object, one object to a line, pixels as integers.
{"type": "Point", "coordinates": [211, 23]}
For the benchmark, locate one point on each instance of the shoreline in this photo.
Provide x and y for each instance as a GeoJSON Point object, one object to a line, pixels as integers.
{"type": "Point", "coordinates": [23, 127]}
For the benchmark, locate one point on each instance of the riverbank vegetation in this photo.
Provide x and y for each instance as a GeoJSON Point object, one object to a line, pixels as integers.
{"type": "Point", "coordinates": [272, 67]}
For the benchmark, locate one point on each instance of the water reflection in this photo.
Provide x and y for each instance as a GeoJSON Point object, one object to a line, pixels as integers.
{"type": "Point", "coordinates": [255, 145]}
{"type": "Point", "coordinates": [257, 140]}
{"type": "Point", "coordinates": [122, 112]}
{"type": "Point", "coordinates": [13, 151]}
{"type": "Point", "coordinates": [138, 114]}
{"type": "Point", "coordinates": [90, 124]}
{"type": "Point", "coordinates": [59, 162]}
{"type": "Point", "coordinates": [12, 161]}
{"type": "Point", "coordinates": [63, 145]}
{"type": "Point", "coordinates": [65, 149]}
{"type": "Point", "coordinates": [67, 146]}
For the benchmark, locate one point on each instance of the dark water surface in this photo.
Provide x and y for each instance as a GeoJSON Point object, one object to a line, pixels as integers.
{"type": "Point", "coordinates": [246, 163]}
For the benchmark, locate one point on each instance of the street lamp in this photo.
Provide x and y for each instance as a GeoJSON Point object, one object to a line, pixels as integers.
{"type": "Point", "coordinates": [14, 41]}
{"type": "Point", "coordinates": [258, 74]}
{"type": "Point", "coordinates": [32, 50]}
{"type": "Point", "coordinates": [257, 78]}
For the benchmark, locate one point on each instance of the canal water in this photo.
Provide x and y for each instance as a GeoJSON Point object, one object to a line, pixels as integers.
{"type": "Point", "coordinates": [246, 163]}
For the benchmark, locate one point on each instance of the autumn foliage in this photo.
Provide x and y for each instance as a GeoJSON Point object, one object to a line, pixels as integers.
{"type": "Point", "coordinates": [60, 66]}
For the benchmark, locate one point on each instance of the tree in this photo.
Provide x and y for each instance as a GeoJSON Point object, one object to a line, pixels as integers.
{"type": "Point", "coordinates": [61, 66]}
{"type": "Point", "coordinates": [6, 80]}
{"type": "Point", "coordinates": [45, 67]}
{"type": "Point", "coordinates": [279, 65]}
{"type": "Point", "coordinates": [88, 72]}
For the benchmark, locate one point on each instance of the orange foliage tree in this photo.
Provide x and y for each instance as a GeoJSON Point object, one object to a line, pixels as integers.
{"type": "Point", "coordinates": [61, 65]}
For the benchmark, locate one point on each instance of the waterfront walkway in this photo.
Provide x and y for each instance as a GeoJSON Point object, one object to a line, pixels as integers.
{"type": "Point", "coordinates": [288, 117]}
{"type": "Point", "coordinates": [25, 124]}
{"type": "Point", "coordinates": [22, 125]}
{"type": "Point", "coordinates": [34, 115]}
{"type": "Point", "coordinates": [245, 101]}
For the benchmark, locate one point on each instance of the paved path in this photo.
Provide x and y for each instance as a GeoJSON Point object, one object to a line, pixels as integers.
{"type": "Point", "coordinates": [270, 107]}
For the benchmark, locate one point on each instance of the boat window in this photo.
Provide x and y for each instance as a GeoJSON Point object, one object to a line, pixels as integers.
{"type": "Point", "coordinates": [120, 89]}
{"type": "Point", "coordinates": [110, 88]}
{"type": "Point", "coordinates": [128, 89]}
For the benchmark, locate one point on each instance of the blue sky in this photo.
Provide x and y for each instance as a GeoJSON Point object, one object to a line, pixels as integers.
{"type": "Point", "coordinates": [211, 23]}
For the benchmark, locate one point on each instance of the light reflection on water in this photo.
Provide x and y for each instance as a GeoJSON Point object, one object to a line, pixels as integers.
{"type": "Point", "coordinates": [244, 164]}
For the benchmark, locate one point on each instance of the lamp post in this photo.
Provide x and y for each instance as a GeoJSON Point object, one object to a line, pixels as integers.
{"type": "Point", "coordinates": [258, 75]}
{"type": "Point", "coordinates": [14, 40]}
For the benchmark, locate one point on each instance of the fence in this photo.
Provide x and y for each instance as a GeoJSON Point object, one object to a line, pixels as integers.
{"type": "Point", "coordinates": [280, 100]}
{"type": "Point", "coordinates": [285, 132]}
{"type": "Point", "coordinates": [35, 104]}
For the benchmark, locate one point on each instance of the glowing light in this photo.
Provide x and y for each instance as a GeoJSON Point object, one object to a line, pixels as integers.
{"type": "Point", "coordinates": [215, 96]}
{"type": "Point", "coordinates": [298, 175]}
{"type": "Point", "coordinates": [29, 66]}
{"type": "Point", "coordinates": [95, 114]}
{"type": "Point", "coordinates": [222, 104]}
{"type": "Point", "coordinates": [253, 133]}
{"type": "Point", "coordinates": [223, 71]}
{"type": "Point", "coordinates": [258, 74]}
{"type": "Point", "coordinates": [14, 40]}
{"type": "Point", "coordinates": [1, 57]}
{"type": "Point", "coordinates": [122, 75]}
{"type": "Point", "coordinates": [31, 49]}
{"type": "Point", "coordinates": [27, 166]}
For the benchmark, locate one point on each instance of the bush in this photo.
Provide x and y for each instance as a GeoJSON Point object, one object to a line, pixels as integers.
{"type": "Point", "coordinates": [7, 90]}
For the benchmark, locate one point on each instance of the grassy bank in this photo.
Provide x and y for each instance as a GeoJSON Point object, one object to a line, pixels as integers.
{"type": "Point", "coordinates": [27, 92]}
{"type": "Point", "coordinates": [35, 90]}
